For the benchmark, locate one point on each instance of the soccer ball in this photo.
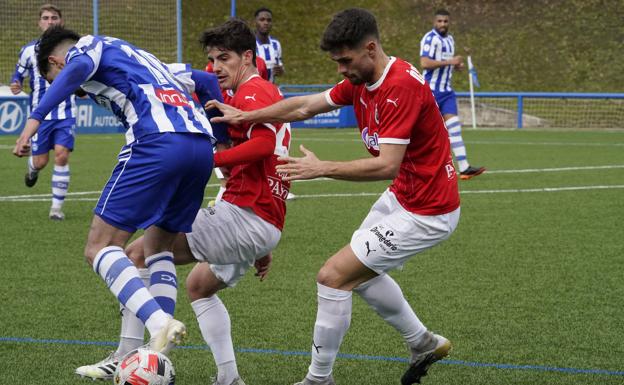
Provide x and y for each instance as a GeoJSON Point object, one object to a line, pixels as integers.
{"type": "Point", "coordinates": [144, 367]}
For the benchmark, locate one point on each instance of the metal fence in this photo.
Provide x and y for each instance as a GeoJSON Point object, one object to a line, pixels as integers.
{"type": "Point", "coordinates": [154, 25]}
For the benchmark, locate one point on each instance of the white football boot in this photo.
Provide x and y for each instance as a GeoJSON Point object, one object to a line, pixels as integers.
{"type": "Point", "coordinates": [171, 335]}
{"type": "Point", "coordinates": [238, 381]}
{"type": "Point", "coordinates": [103, 370]}
{"type": "Point", "coordinates": [433, 348]}
{"type": "Point", "coordinates": [56, 214]}
{"type": "Point", "coordinates": [327, 381]}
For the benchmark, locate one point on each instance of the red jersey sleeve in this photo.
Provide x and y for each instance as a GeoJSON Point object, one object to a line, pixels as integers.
{"type": "Point", "coordinates": [398, 113]}
{"type": "Point", "coordinates": [342, 94]}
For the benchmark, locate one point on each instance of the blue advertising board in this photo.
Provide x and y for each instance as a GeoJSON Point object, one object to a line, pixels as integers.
{"type": "Point", "coordinates": [93, 119]}
{"type": "Point", "coordinates": [340, 118]}
{"type": "Point", "coordinates": [13, 114]}
{"type": "Point", "coordinates": [90, 118]}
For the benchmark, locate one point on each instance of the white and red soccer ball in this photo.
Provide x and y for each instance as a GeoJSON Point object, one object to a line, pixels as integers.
{"type": "Point", "coordinates": [144, 367]}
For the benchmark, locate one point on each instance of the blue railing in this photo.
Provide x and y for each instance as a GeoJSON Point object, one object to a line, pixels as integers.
{"type": "Point", "coordinates": [94, 119]}
{"type": "Point", "coordinates": [302, 89]}
{"type": "Point", "coordinates": [520, 96]}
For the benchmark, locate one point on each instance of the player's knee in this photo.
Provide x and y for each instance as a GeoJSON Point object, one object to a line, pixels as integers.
{"type": "Point", "coordinates": [198, 289]}
{"type": "Point", "coordinates": [40, 162]}
{"type": "Point", "coordinates": [61, 158]}
{"type": "Point", "coordinates": [136, 255]}
{"type": "Point", "coordinates": [90, 253]}
{"type": "Point", "coordinates": [329, 276]}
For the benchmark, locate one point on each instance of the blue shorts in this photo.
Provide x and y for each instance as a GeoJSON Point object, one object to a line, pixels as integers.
{"type": "Point", "coordinates": [159, 180]}
{"type": "Point", "coordinates": [446, 101]}
{"type": "Point", "coordinates": [52, 132]}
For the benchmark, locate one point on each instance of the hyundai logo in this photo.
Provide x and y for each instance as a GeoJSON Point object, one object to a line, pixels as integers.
{"type": "Point", "coordinates": [11, 116]}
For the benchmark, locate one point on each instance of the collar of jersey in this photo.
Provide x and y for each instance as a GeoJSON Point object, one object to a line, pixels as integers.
{"type": "Point", "coordinates": [378, 83]}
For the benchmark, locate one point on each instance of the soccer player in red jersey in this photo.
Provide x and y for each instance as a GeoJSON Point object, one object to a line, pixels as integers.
{"type": "Point", "coordinates": [402, 128]}
{"type": "Point", "coordinates": [242, 229]}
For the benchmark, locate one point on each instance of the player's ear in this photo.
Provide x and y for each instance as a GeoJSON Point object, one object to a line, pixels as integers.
{"type": "Point", "coordinates": [371, 48]}
{"type": "Point", "coordinates": [248, 57]}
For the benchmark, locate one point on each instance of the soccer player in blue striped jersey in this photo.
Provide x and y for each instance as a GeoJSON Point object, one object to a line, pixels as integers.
{"type": "Point", "coordinates": [268, 47]}
{"type": "Point", "coordinates": [159, 180]}
{"type": "Point", "coordinates": [204, 87]}
{"type": "Point", "coordinates": [57, 129]}
{"type": "Point", "coordinates": [438, 60]}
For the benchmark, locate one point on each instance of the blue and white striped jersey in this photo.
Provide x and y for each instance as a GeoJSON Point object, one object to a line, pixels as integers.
{"type": "Point", "coordinates": [137, 87]}
{"type": "Point", "coordinates": [271, 53]}
{"type": "Point", "coordinates": [204, 87]}
{"type": "Point", "coordinates": [27, 67]}
{"type": "Point", "coordinates": [438, 47]}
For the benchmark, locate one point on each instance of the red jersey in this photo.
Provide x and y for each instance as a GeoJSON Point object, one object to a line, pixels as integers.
{"type": "Point", "coordinates": [257, 185]}
{"type": "Point", "coordinates": [400, 109]}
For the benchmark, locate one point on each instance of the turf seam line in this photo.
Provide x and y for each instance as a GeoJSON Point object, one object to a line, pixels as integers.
{"type": "Point", "coordinates": [340, 355]}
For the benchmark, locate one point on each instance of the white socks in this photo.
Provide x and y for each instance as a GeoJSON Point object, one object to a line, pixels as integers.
{"type": "Point", "coordinates": [215, 326]}
{"type": "Point", "coordinates": [384, 296]}
{"type": "Point", "coordinates": [60, 185]}
{"type": "Point", "coordinates": [132, 328]}
{"type": "Point", "coordinates": [163, 280]}
{"type": "Point", "coordinates": [453, 126]}
{"type": "Point", "coordinates": [332, 322]}
{"type": "Point", "coordinates": [123, 280]}
{"type": "Point", "coordinates": [31, 165]}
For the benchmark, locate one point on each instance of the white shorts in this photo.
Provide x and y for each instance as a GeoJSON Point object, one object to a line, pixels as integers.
{"type": "Point", "coordinates": [390, 235]}
{"type": "Point", "coordinates": [230, 239]}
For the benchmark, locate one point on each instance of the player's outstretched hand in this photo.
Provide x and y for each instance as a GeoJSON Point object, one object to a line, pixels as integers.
{"type": "Point", "coordinates": [231, 115]}
{"type": "Point", "coordinates": [16, 88]}
{"type": "Point", "coordinates": [263, 265]}
{"type": "Point", "coordinates": [22, 146]}
{"type": "Point", "coordinates": [307, 167]}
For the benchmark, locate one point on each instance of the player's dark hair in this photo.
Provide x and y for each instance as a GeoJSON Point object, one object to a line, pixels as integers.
{"type": "Point", "coordinates": [441, 12]}
{"type": "Point", "coordinates": [262, 9]}
{"type": "Point", "coordinates": [50, 39]}
{"type": "Point", "coordinates": [348, 29]}
{"type": "Point", "coordinates": [50, 8]}
{"type": "Point", "coordinates": [233, 35]}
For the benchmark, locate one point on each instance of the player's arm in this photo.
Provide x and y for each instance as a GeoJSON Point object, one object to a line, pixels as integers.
{"type": "Point", "coordinates": [287, 110]}
{"type": "Point", "coordinates": [260, 145]}
{"type": "Point", "coordinates": [206, 89]}
{"type": "Point", "coordinates": [76, 72]}
{"type": "Point", "coordinates": [384, 166]}
{"type": "Point", "coordinates": [430, 64]}
{"type": "Point", "coordinates": [20, 73]}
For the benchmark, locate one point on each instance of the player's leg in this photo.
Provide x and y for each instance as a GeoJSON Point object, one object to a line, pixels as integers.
{"type": "Point", "coordinates": [338, 276]}
{"type": "Point", "coordinates": [60, 181]}
{"type": "Point", "coordinates": [213, 320]}
{"type": "Point", "coordinates": [41, 144]}
{"type": "Point", "coordinates": [132, 331]}
{"type": "Point", "coordinates": [62, 136]}
{"type": "Point", "coordinates": [132, 328]}
{"type": "Point", "coordinates": [466, 171]}
{"type": "Point", "coordinates": [104, 252]}
{"type": "Point", "coordinates": [230, 239]}
{"type": "Point", "coordinates": [388, 238]}
{"type": "Point", "coordinates": [447, 102]}
{"type": "Point", "coordinates": [453, 125]}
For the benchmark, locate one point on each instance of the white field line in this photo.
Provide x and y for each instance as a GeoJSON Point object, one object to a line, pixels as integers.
{"type": "Point", "coordinates": [44, 197]}
{"type": "Point", "coordinates": [558, 169]}
{"type": "Point", "coordinates": [370, 194]}
{"type": "Point", "coordinates": [494, 142]}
